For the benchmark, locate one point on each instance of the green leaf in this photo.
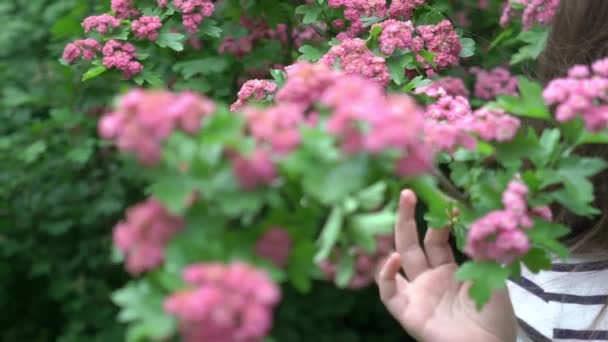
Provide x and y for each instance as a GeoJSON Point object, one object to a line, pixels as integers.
{"type": "Point", "coordinates": [375, 32]}
{"type": "Point", "coordinates": [172, 190]}
{"type": "Point", "coordinates": [300, 265]}
{"type": "Point", "coordinates": [34, 151]}
{"type": "Point", "coordinates": [397, 66]}
{"type": "Point", "coordinates": [547, 147]}
{"type": "Point", "coordinates": [329, 234]}
{"type": "Point", "coordinates": [529, 104]}
{"type": "Point", "coordinates": [535, 41]}
{"type": "Point", "coordinates": [152, 78]}
{"type": "Point", "coordinates": [346, 270]}
{"type": "Point", "coordinates": [172, 40]}
{"type": "Point", "coordinates": [309, 53]}
{"type": "Point", "coordinates": [334, 184]}
{"type": "Point", "coordinates": [547, 234]}
{"type": "Point", "coordinates": [429, 57]}
{"type": "Point", "coordinates": [369, 21]}
{"type": "Point", "coordinates": [209, 27]}
{"type": "Point", "coordinates": [379, 223]}
{"type": "Point", "coordinates": [203, 66]}
{"type": "Point", "coordinates": [427, 190]}
{"type": "Point", "coordinates": [485, 277]}
{"type": "Point", "coordinates": [537, 260]}
{"type": "Point", "coordinates": [415, 83]}
{"type": "Point", "coordinates": [142, 304]}
{"type": "Point", "coordinates": [372, 197]}
{"type": "Point", "coordinates": [468, 47]}
{"type": "Point", "coordinates": [93, 72]}
{"type": "Point", "coordinates": [310, 13]}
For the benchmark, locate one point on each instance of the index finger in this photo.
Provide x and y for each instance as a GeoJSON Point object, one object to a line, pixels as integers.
{"type": "Point", "coordinates": [413, 259]}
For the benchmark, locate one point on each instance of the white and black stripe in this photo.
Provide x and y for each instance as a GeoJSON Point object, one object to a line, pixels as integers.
{"type": "Point", "coordinates": [562, 304]}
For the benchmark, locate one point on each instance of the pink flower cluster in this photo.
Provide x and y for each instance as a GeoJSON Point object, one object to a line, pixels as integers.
{"type": "Point", "coordinates": [584, 92]}
{"type": "Point", "coordinates": [277, 126]}
{"type": "Point", "coordinates": [366, 264]}
{"type": "Point", "coordinates": [144, 119]}
{"type": "Point", "coordinates": [497, 81]}
{"type": "Point", "coordinates": [354, 57]}
{"type": "Point", "coordinates": [398, 35]}
{"type": "Point", "coordinates": [275, 245]}
{"type": "Point", "coordinates": [124, 9]}
{"type": "Point", "coordinates": [443, 41]}
{"type": "Point", "coordinates": [392, 122]}
{"type": "Point", "coordinates": [500, 235]}
{"type": "Point", "coordinates": [492, 124]}
{"type": "Point", "coordinates": [535, 11]}
{"type": "Point", "coordinates": [226, 303]}
{"type": "Point", "coordinates": [193, 12]}
{"type": "Point", "coordinates": [451, 121]}
{"type": "Point", "coordinates": [85, 48]}
{"type": "Point", "coordinates": [355, 9]}
{"type": "Point", "coordinates": [142, 237]}
{"type": "Point", "coordinates": [453, 86]}
{"type": "Point", "coordinates": [258, 89]}
{"type": "Point", "coordinates": [254, 170]}
{"type": "Point", "coordinates": [101, 23]}
{"type": "Point", "coordinates": [404, 8]}
{"type": "Point", "coordinates": [146, 27]}
{"type": "Point", "coordinates": [121, 55]}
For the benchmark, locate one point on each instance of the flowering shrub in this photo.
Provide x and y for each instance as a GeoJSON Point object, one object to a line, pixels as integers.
{"type": "Point", "coordinates": [341, 105]}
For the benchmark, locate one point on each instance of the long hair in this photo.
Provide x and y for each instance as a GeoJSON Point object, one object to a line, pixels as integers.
{"type": "Point", "coordinates": [579, 35]}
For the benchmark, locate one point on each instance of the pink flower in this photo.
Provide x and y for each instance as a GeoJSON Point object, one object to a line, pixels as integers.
{"type": "Point", "coordinates": [121, 56]}
{"type": "Point", "coordinates": [144, 119]}
{"type": "Point", "coordinates": [188, 109]}
{"type": "Point", "coordinates": [227, 303]}
{"type": "Point", "coordinates": [277, 126]}
{"type": "Point", "coordinates": [124, 9]}
{"type": "Point", "coordinates": [258, 89]}
{"type": "Point", "coordinates": [398, 35]}
{"type": "Point", "coordinates": [443, 41]}
{"type": "Point", "coordinates": [193, 12]}
{"type": "Point", "coordinates": [275, 245]}
{"type": "Point", "coordinates": [254, 170]}
{"type": "Point", "coordinates": [144, 235]}
{"type": "Point", "coordinates": [515, 198]}
{"type": "Point", "coordinates": [451, 86]}
{"type": "Point", "coordinates": [146, 27]}
{"type": "Point", "coordinates": [355, 9]}
{"type": "Point", "coordinates": [306, 83]}
{"type": "Point", "coordinates": [497, 81]}
{"type": "Point", "coordinates": [354, 57]}
{"type": "Point", "coordinates": [404, 8]}
{"type": "Point", "coordinates": [493, 125]}
{"type": "Point", "coordinates": [85, 48]}
{"type": "Point", "coordinates": [101, 23]}
{"type": "Point", "coordinates": [535, 11]}
{"type": "Point", "coordinates": [581, 93]}
{"type": "Point", "coordinates": [496, 237]}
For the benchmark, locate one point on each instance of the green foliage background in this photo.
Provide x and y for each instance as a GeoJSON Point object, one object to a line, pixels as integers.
{"type": "Point", "coordinates": [62, 190]}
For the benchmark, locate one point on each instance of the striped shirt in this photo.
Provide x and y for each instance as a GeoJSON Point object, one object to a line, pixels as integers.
{"type": "Point", "coordinates": [562, 304]}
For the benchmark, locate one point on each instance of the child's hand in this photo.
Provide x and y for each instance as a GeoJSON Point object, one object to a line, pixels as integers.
{"type": "Point", "coordinates": [429, 302]}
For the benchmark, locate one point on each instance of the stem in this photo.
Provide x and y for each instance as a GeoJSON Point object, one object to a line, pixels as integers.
{"type": "Point", "coordinates": [450, 188]}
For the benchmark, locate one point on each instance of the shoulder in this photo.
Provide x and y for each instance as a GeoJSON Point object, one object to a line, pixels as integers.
{"type": "Point", "coordinates": [565, 303]}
